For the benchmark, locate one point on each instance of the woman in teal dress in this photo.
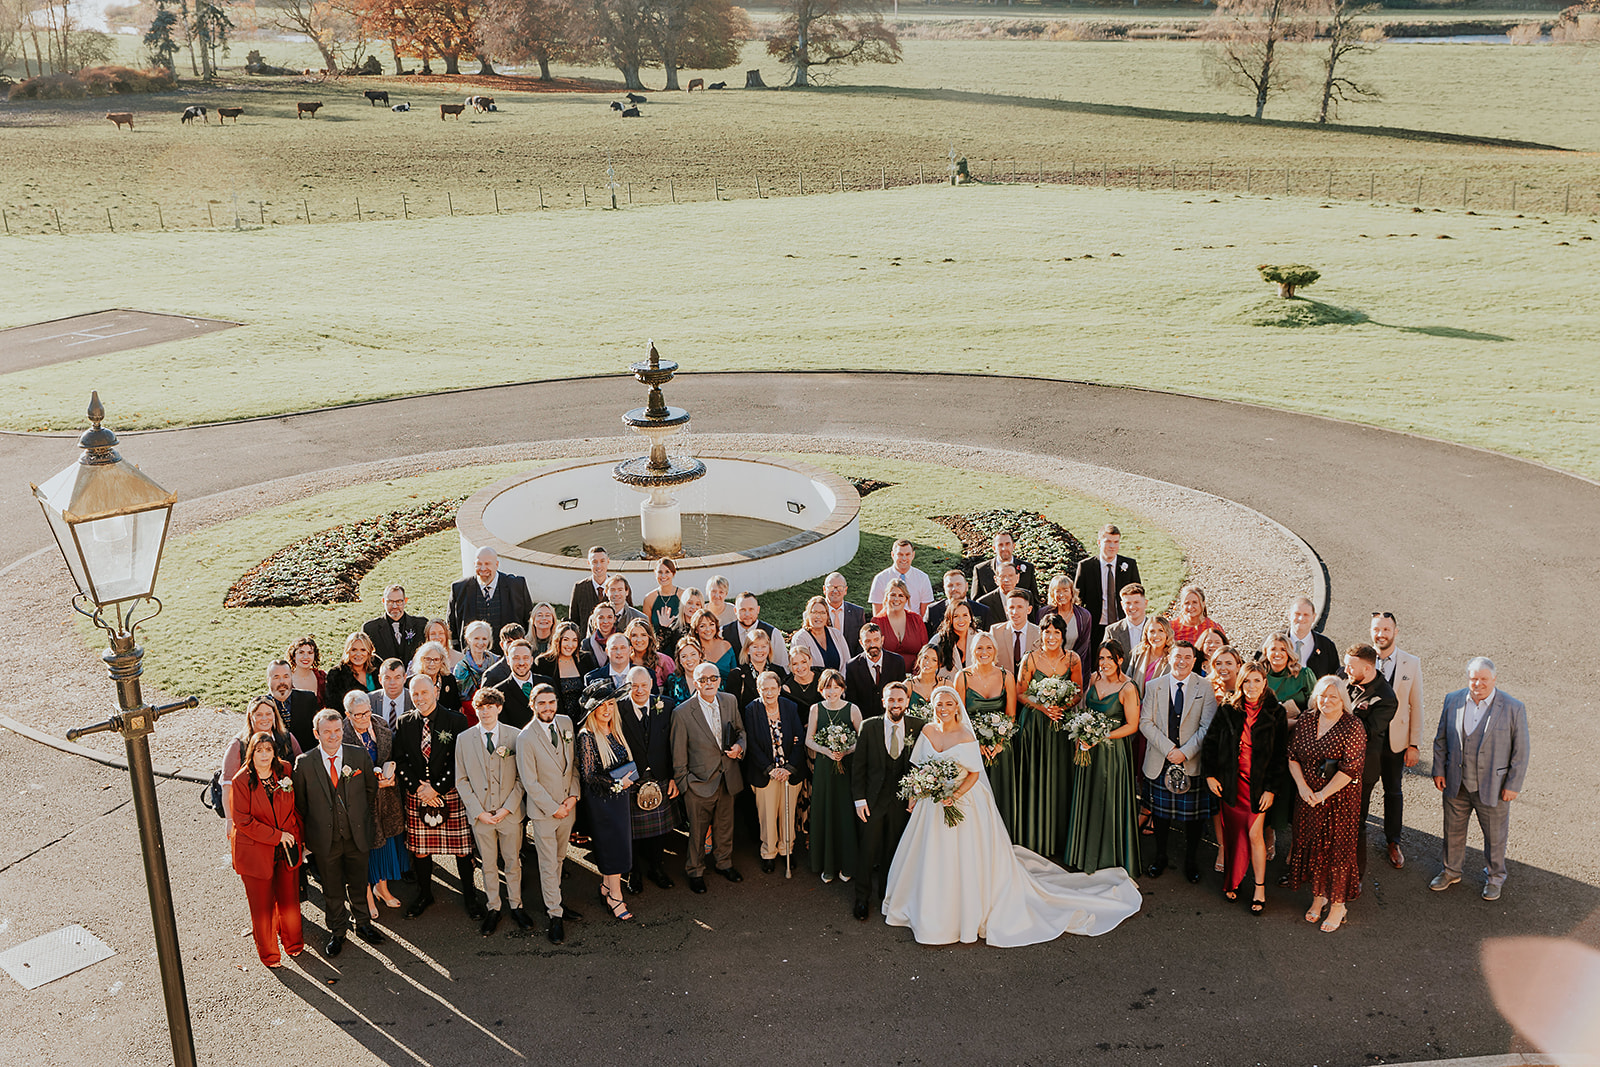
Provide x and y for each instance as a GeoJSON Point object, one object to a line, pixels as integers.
{"type": "Point", "coordinates": [1102, 832]}
{"type": "Point", "coordinates": [713, 649]}
{"type": "Point", "coordinates": [1291, 683]}
{"type": "Point", "coordinates": [661, 605]}
{"type": "Point", "coordinates": [986, 686]}
{"type": "Point", "coordinates": [1044, 754]}
{"type": "Point", "coordinates": [833, 812]}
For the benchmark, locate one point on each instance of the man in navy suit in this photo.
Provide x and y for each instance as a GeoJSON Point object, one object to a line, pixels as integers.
{"type": "Point", "coordinates": [1100, 581]}
{"type": "Point", "coordinates": [488, 595]}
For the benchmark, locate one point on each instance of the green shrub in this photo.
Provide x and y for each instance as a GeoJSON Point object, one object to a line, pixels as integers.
{"type": "Point", "coordinates": [1288, 277]}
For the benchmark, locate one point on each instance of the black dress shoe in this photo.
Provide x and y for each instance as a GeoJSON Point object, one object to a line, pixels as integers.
{"type": "Point", "coordinates": [334, 946]}
{"type": "Point", "coordinates": [572, 915]}
{"type": "Point", "coordinates": [521, 918]}
{"type": "Point", "coordinates": [369, 933]}
{"type": "Point", "coordinates": [1191, 871]}
{"type": "Point", "coordinates": [768, 866]}
{"type": "Point", "coordinates": [418, 906]}
{"type": "Point", "coordinates": [633, 882]}
{"type": "Point", "coordinates": [556, 932]}
{"type": "Point", "coordinates": [490, 921]}
{"type": "Point", "coordinates": [1283, 879]}
{"type": "Point", "coordinates": [731, 874]}
{"type": "Point", "coordinates": [697, 884]}
{"type": "Point", "coordinates": [1155, 869]}
{"type": "Point", "coordinates": [659, 877]}
{"type": "Point", "coordinates": [475, 908]}
{"type": "Point", "coordinates": [860, 910]}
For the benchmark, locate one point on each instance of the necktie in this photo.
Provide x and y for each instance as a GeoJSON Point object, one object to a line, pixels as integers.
{"type": "Point", "coordinates": [1175, 714]}
{"type": "Point", "coordinates": [1016, 649]}
{"type": "Point", "coordinates": [396, 624]}
{"type": "Point", "coordinates": [553, 740]}
{"type": "Point", "coordinates": [333, 772]}
{"type": "Point", "coordinates": [1388, 670]}
{"type": "Point", "coordinates": [1108, 592]}
{"type": "Point", "coordinates": [486, 593]}
{"type": "Point", "coordinates": [1305, 650]}
{"type": "Point", "coordinates": [894, 745]}
{"type": "Point", "coordinates": [427, 740]}
{"type": "Point", "coordinates": [874, 668]}
{"type": "Point", "coordinates": [488, 741]}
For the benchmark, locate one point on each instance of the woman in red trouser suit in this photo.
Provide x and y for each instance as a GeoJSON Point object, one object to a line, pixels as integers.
{"type": "Point", "coordinates": [267, 845]}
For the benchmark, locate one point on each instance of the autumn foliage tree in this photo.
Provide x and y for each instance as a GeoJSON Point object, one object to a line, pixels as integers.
{"type": "Point", "coordinates": [819, 33]}
{"type": "Point", "coordinates": [538, 31]}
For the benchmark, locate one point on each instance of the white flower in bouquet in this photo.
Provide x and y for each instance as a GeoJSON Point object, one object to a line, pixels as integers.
{"type": "Point", "coordinates": [1054, 692]}
{"type": "Point", "coordinates": [1088, 729]}
{"type": "Point", "coordinates": [838, 738]}
{"type": "Point", "coordinates": [993, 729]}
{"type": "Point", "coordinates": [935, 780]}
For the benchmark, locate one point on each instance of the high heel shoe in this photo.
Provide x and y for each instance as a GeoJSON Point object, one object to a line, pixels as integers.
{"type": "Point", "coordinates": [618, 908]}
{"type": "Point", "coordinates": [1335, 918]}
{"type": "Point", "coordinates": [1259, 906]}
{"type": "Point", "coordinates": [1314, 912]}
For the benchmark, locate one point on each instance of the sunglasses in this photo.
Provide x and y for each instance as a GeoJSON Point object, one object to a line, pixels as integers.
{"type": "Point", "coordinates": [1384, 615]}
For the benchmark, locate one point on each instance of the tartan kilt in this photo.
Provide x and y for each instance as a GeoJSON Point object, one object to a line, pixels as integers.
{"type": "Point", "coordinates": [652, 823]}
{"type": "Point", "coordinates": [453, 837]}
{"type": "Point", "coordinates": [1197, 803]}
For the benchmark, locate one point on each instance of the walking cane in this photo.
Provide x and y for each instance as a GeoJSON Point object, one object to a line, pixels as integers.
{"type": "Point", "coordinates": [788, 824]}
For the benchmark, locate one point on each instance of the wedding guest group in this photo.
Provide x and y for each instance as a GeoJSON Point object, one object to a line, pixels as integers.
{"type": "Point", "coordinates": [888, 746]}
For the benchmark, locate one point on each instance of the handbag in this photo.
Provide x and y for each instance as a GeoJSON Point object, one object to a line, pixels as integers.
{"type": "Point", "coordinates": [211, 795]}
{"type": "Point", "coordinates": [1328, 768]}
{"type": "Point", "coordinates": [623, 775]}
{"type": "Point", "coordinates": [290, 854]}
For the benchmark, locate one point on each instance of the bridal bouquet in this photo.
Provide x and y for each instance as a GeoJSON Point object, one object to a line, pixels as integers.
{"type": "Point", "coordinates": [838, 738]}
{"type": "Point", "coordinates": [1059, 692]}
{"type": "Point", "coordinates": [935, 780]}
{"type": "Point", "coordinates": [993, 730]}
{"type": "Point", "coordinates": [1087, 728]}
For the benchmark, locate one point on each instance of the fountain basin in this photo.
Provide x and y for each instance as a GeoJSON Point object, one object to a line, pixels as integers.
{"type": "Point", "coordinates": [535, 505]}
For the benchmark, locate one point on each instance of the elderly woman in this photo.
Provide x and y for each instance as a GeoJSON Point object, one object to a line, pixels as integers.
{"type": "Point", "coordinates": [663, 605]}
{"type": "Point", "coordinates": [645, 651]}
{"type": "Point", "coordinates": [267, 844]}
{"type": "Point", "coordinates": [827, 646]}
{"type": "Point", "coordinates": [1193, 618]}
{"type": "Point", "coordinates": [1326, 755]}
{"type": "Point", "coordinates": [541, 628]}
{"type": "Point", "coordinates": [953, 641]}
{"type": "Point", "coordinates": [432, 661]}
{"type": "Point", "coordinates": [438, 630]}
{"type": "Point", "coordinates": [904, 632]}
{"type": "Point", "coordinates": [305, 667]}
{"type": "Point", "coordinates": [1063, 600]}
{"type": "Point", "coordinates": [356, 671]}
{"type": "Point", "coordinates": [262, 717]}
{"type": "Point", "coordinates": [609, 777]}
{"type": "Point", "coordinates": [1245, 759]}
{"type": "Point", "coordinates": [774, 767]}
{"type": "Point", "coordinates": [1289, 681]}
{"type": "Point", "coordinates": [717, 601]}
{"type": "Point", "coordinates": [424, 752]}
{"type": "Point", "coordinates": [388, 861]}
{"type": "Point", "coordinates": [476, 661]}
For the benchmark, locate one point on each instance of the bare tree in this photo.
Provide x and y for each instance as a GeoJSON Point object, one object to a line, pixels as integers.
{"type": "Point", "coordinates": [622, 27]}
{"type": "Point", "coordinates": [1249, 42]}
{"type": "Point", "coordinates": [1347, 36]}
{"type": "Point", "coordinates": [337, 33]}
{"type": "Point", "coordinates": [817, 33]}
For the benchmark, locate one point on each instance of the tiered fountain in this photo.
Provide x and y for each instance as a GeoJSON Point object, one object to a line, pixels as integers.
{"type": "Point", "coordinates": [660, 523]}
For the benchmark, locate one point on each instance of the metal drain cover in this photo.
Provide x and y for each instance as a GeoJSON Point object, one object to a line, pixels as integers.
{"type": "Point", "coordinates": [54, 955]}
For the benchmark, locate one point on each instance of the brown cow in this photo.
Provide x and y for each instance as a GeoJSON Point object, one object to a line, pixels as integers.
{"type": "Point", "coordinates": [229, 113]}
{"type": "Point", "coordinates": [120, 117]}
{"type": "Point", "coordinates": [697, 83]}
{"type": "Point", "coordinates": [451, 109]}
{"type": "Point", "coordinates": [303, 109]}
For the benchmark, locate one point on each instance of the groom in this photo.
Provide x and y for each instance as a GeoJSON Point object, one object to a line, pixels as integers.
{"type": "Point", "coordinates": [882, 758]}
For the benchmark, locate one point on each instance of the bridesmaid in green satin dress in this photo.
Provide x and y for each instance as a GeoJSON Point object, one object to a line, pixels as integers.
{"type": "Point", "coordinates": [1044, 754]}
{"type": "Point", "coordinates": [986, 686]}
{"type": "Point", "coordinates": [1102, 831]}
{"type": "Point", "coordinates": [923, 681]}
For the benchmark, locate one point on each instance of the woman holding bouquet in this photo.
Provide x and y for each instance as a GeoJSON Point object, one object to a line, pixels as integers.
{"type": "Point", "coordinates": [1245, 757]}
{"type": "Point", "coordinates": [1044, 753]}
{"type": "Point", "coordinates": [266, 843]}
{"type": "Point", "coordinates": [986, 686]}
{"type": "Point", "coordinates": [966, 880]}
{"type": "Point", "coordinates": [833, 813]}
{"type": "Point", "coordinates": [1101, 831]}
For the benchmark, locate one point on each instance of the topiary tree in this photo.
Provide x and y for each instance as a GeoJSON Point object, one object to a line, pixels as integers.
{"type": "Point", "coordinates": [1288, 277]}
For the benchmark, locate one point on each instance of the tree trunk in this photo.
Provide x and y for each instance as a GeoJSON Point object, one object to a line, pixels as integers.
{"type": "Point", "coordinates": [1286, 290]}
{"type": "Point", "coordinates": [630, 76]}
{"type": "Point", "coordinates": [1264, 83]}
{"type": "Point", "coordinates": [802, 53]}
{"type": "Point", "coordinates": [669, 60]}
{"type": "Point", "coordinates": [452, 63]}
{"type": "Point", "coordinates": [544, 67]}
{"type": "Point", "coordinates": [485, 68]}
{"type": "Point", "coordinates": [329, 61]}
{"type": "Point", "coordinates": [752, 80]}
{"type": "Point", "coordinates": [1327, 81]}
{"type": "Point", "coordinates": [394, 46]}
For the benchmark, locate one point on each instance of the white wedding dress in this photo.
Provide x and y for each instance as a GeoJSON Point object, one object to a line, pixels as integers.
{"type": "Point", "coordinates": [968, 881]}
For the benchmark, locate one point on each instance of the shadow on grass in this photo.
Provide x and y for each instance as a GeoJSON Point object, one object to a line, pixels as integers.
{"type": "Point", "coordinates": [1446, 331]}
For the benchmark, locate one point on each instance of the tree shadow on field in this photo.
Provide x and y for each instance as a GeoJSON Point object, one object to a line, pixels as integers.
{"type": "Point", "coordinates": [1452, 332]}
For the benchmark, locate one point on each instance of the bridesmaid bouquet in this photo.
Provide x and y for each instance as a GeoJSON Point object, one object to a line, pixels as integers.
{"type": "Point", "coordinates": [936, 781]}
{"type": "Point", "coordinates": [993, 730]}
{"type": "Point", "coordinates": [1059, 692]}
{"type": "Point", "coordinates": [838, 738]}
{"type": "Point", "coordinates": [1087, 728]}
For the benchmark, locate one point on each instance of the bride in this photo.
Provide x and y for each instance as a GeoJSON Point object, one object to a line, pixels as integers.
{"type": "Point", "coordinates": [963, 882]}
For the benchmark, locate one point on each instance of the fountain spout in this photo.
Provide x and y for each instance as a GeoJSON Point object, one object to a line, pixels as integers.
{"type": "Point", "coordinates": [660, 520]}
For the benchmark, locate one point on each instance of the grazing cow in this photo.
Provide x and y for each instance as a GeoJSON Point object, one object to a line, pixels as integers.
{"type": "Point", "coordinates": [401, 107]}
{"type": "Point", "coordinates": [378, 96]}
{"type": "Point", "coordinates": [635, 98]}
{"type": "Point", "coordinates": [697, 83]}
{"type": "Point", "coordinates": [451, 109]}
{"type": "Point", "coordinates": [717, 85]}
{"type": "Point", "coordinates": [194, 112]}
{"type": "Point", "coordinates": [229, 113]}
{"type": "Point", "coordinates": [630, 112]}
{"type": "Point", "coordinates": [303, 109]}
{"type": "Point", "coordinates": [481, 103]}
{"type": "Point", "coordinates": [121, 117]}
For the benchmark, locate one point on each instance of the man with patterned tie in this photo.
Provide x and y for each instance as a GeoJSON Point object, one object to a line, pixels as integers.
{"type": "Point", "coordinates": [393, 699]}
{"type": "Point", "coordinates": [1315, 650]}
{"type": "Point", "coordinates": [548, 770]}
{"type": "Point", "coordinates": [394, 634]}
{"type": "Point", "coordinates": [489, 596]}
{"type": "Point", "coordinates": [486, 778]}
{"type": "Point", "coordinates": [336, 793]}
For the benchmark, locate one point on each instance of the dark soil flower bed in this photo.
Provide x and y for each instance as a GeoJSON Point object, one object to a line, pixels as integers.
{"type": "Point", "coordinates": [327, 567]}
{"type": "Point", "coordinates": [1051, 548]}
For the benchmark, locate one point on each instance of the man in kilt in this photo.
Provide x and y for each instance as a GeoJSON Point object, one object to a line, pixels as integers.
{"type": "Point", "coordinates": [424, 752]}
{"type": "Point", "coordinates": [647, 727]}
{"type": "Point", "coordinates": [1175, 715]}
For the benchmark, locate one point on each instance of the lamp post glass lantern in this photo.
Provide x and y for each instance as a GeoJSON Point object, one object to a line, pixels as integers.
{"type": "Point", "coordinates": [110, 521]}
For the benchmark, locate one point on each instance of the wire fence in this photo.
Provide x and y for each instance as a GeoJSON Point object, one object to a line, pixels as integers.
{"type": "Point", "coordinates": [1533, 194]}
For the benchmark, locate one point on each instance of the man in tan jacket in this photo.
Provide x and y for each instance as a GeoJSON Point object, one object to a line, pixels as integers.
{"type": "Point", "coordinates": [491, 791]}
{"type": "Point", "coordinates": [1404, 674]}
{"type": "Point", "coordinates": [548, 767]}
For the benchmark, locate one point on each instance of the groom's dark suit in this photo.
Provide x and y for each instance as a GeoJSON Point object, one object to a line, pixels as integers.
{"type": "Point", "coordinates": [874, 778]}
{"type": "Point", "coordinates": [339, 828]}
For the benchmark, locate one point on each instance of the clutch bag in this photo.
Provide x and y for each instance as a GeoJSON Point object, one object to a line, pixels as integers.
{"type": "Point", "coordinates": [624, 774]}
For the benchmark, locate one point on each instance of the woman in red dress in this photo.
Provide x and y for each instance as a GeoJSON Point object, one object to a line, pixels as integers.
{"type": "Point", "coordinates": [1327, 820]}
{"type": "Point", "coordinates": [267, 844]}
{"type": "Point", "coordinates": [1194, 618]}
{"type": "Point", "coordinates": [904, 631]}
{"type": "Point", "coordinates": [1246, 758]}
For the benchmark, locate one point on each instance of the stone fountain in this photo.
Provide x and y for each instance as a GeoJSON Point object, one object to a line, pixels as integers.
{"type": "Point", "coordinates": [660, 522]}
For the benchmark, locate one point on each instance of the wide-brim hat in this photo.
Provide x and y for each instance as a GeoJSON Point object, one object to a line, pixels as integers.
{"type": "Point", "coordinates": [594, 695]}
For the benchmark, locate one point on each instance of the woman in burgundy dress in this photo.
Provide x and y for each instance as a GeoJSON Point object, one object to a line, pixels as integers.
{"type": "Point", "coordinates": [904, 632]}
{"type": "Point", "coordinates": [1326, 756]}
{"type": "Point", "coordinates": [1246, 762]}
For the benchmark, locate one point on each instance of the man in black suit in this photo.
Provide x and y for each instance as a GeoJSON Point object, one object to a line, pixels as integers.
{"type": "Point", "coordinates": [995, 604]}
{"type": "Point", "coordinates": [588, 592]}
{"type": "Point", "coordinates": [647, 727]}
{"type": "Point", "coordinates": [619, 655]}
{"type": "Point", "coordinates": [1372, 699]}
{"type": "Point", "coordinates": [882, 758]}
{"type": "Point", "coordinates": [393, 699]}
{"type": "Point", "coordinates": [867, 673]}
{"type": "Point", "coordinates": [737, 633]}
{"type": "Point", "coordinates": [298, 707]}
{"type": "Point", "coordinates": [394, 634]}
{"type": "Point", "coordinates": [1100, 581]}
{"type": "Point", "coordinates": [955, 591]}
{"type": "Point", "coordinates": [336, 793]}
{"type": "Point", "coordinates": [490, 596]}
{"type": "Point", "coordinates": [1315, 651]}
{"type": "Point", "coordinates": [514, 678]}
{"type": "Point", "coordinates": [986, 575]}
{"type": "Point", "coordinates": [844, 616]}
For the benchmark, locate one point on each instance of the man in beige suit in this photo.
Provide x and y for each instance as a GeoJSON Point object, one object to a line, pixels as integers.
{"type": "Point", "coordinates": [486, 778]}
{"type": "Point", "coordinates": [707, 744]}
{"type": "Point", "coordinates": [548, 768]}
{"type": "Point", "coordinates": [1016, 634]}
{"type": "Point", "coordinates": [1404, 673]}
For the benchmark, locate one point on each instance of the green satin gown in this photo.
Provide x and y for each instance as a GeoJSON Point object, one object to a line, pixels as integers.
{"type": "Point", "coordinates": [1043, 781]}
{"type": "Point", "coordinates": [1103, 831]}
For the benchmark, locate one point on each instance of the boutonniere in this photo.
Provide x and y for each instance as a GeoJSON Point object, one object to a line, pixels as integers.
{"type": "Point", "coordinates": [502, 751]}
{"type": "Point", "coordinates": [660, 705]}
{"type": "Point", "coordinates": [351, 772]}
{"type": "Point", "coordinates": [284, 784]}
{"type": "Point", "coordinates": [566, 736]}
{"type": "Point", "coordinates": [1124, 565]}
{"type": "Point", "coordinates": [443, 737]}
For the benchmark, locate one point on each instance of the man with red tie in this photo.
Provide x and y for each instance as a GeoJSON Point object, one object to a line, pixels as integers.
{"type": "Point", "coordinates": [866, 674]}
{"type": "Point", "coordinates": [336, 793]}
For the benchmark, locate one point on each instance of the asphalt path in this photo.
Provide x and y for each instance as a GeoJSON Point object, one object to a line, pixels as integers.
{"type": "Point", "coordinates": [1475, 552]}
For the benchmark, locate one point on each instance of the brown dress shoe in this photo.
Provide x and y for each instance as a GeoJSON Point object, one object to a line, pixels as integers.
{"type": "Point", "coordinates": [1397, 859]}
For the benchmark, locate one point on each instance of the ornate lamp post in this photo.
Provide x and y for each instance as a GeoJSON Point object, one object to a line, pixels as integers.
{"type": "Point", "coordinates": [110, 522]}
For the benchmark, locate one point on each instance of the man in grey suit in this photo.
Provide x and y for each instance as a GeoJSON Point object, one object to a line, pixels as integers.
{"type": "Point", "coordinates": [336, 793]}
{"type": "Point", "coordinates": [1480, 758]}
{"type": "Point", "coordinates": [491, 791]}
{"type": "Point", "coordinates": [1174, 718]}
{"type": "Point", "coordinates": [707, 743]}
{"type": "Point", "coordinates": [548, 770]}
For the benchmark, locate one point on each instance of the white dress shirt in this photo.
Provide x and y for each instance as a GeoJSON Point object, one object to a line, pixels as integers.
{"type": "Point", "coordinates": [1136, 633]}
{"type": "Point", "coordinates": [393, 707]}
{"type": "Point", "coordinates": [713, 718]}
{"type": "Point", "coordinates": [891, 729]}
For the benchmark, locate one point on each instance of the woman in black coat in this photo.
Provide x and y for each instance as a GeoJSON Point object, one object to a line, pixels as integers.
{"type": "Point", "coordinates": [1246, 763]}
{"type": "Point", "coordinates": [775, 765]}
{"type": "Point", "coordinates": [436, 820]}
